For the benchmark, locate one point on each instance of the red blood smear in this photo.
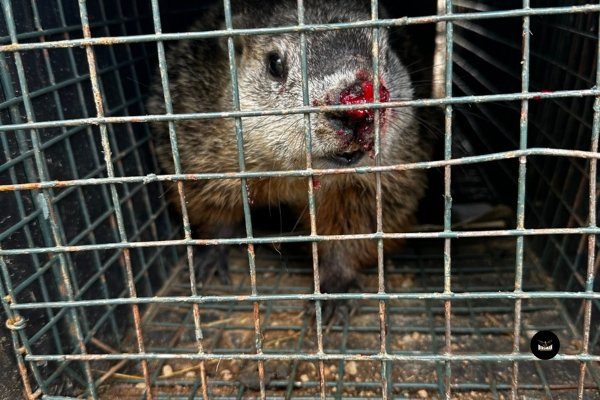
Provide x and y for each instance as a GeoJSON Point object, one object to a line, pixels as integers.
{"type": "Point", "coordinates": [542, 91]}
{"type": "Point", "coordinates": [350, 96]}
{"type": "Point", "coordinates": [316, 183]}
{"type": "Point", "coordinates": [363, 118]}
{"type": "Point", "coordinates": [365, 137]}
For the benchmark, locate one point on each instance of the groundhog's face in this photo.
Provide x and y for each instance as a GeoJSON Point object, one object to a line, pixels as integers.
{"type": "Point", "coordinates": [340, 71]}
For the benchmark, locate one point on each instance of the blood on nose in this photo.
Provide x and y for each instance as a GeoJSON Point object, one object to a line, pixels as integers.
{"type": "Point", "coordinates": [362, 93]}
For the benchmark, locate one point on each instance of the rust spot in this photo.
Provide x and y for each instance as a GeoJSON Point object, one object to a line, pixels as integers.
{"type": "Point", "coordinates": [86, 31]}
{"type": "Point", "coordinates": [523, 114]}
{"type": "Point", "coordinates": [251, 250]}
{"type": "Point", "coordinates": [98, 101]}
{"type": "Point", "coordinates": [106, 40]}
{"type": "Point", "coordinates": [538, 97]}
{"type": "Point", "coordinates": [10, 47]}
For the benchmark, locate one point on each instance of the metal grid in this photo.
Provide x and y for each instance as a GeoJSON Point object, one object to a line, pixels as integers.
{"type": "Point", "coordinates": [66, 321]}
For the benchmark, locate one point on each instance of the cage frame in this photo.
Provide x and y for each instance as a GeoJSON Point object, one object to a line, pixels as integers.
{"type": "Point", "coordinates": [44, 187]}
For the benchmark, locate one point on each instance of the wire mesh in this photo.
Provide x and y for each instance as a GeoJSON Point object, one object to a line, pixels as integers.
{"type": "Point", "coordinates": [99, 283]}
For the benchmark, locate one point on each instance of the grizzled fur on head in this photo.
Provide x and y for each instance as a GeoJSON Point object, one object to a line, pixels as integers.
{"type": "Point", "coordinates": [200, 82]}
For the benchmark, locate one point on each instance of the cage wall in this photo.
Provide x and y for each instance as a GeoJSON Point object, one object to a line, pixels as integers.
{"type": "Point", "coordinates": [95, 264]}
{"type": "Point", "coordinates": [54, 85]}
{"type": "Point", "coordinates": [563, 57]}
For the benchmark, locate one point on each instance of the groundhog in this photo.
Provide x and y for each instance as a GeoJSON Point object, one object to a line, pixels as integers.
{"type": "Point", "coordinates": [340, 71]}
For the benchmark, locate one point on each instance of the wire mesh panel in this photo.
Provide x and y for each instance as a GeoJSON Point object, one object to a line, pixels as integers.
{"type": "Point", "coordinates": [101, 291]}
{"type": "Point", "coordinates": [54, 84]}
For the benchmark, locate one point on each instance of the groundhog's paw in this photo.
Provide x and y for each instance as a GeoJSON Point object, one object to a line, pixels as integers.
{"type": "Point", "coordinates": [214, 260]}
{"type": "Point", "coordinates": [335, 312]}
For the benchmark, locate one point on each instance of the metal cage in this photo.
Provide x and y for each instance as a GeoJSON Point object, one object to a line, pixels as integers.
{"type": "Point", "coordinates": [98, 280]}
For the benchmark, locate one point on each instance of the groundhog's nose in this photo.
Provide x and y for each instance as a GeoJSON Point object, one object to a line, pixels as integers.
{"type": "Point", "coordinates": [361, 92]}
{"type": "Point", "coordinates": [357, 126]}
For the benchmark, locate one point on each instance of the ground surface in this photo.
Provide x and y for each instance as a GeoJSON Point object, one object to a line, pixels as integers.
{"type": "Point", "coordinates": [414, 327]}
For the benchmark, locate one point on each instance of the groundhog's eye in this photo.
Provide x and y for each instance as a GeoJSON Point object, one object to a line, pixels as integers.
{"type": "Point", "coordinates": [275, 65]}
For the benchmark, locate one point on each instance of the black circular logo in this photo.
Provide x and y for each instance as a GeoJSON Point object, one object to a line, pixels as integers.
{"type": "Point", "coordinates": [545, 345]}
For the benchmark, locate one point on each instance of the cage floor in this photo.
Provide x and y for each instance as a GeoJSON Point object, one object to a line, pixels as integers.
{"type": "Point", "coordinates": [415, 327]}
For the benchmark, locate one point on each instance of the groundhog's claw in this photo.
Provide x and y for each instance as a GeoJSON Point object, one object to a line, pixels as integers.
{"type": "Point", "coordinates": [333, 312]}
{"type": "Point", "coordinates": [336, 312]}
{"type": "Point", "coordinates": [214, 259]}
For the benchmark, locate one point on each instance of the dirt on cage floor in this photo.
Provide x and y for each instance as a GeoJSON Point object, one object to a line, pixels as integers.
{"type": "Point", "coordinates": [414, 327]}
